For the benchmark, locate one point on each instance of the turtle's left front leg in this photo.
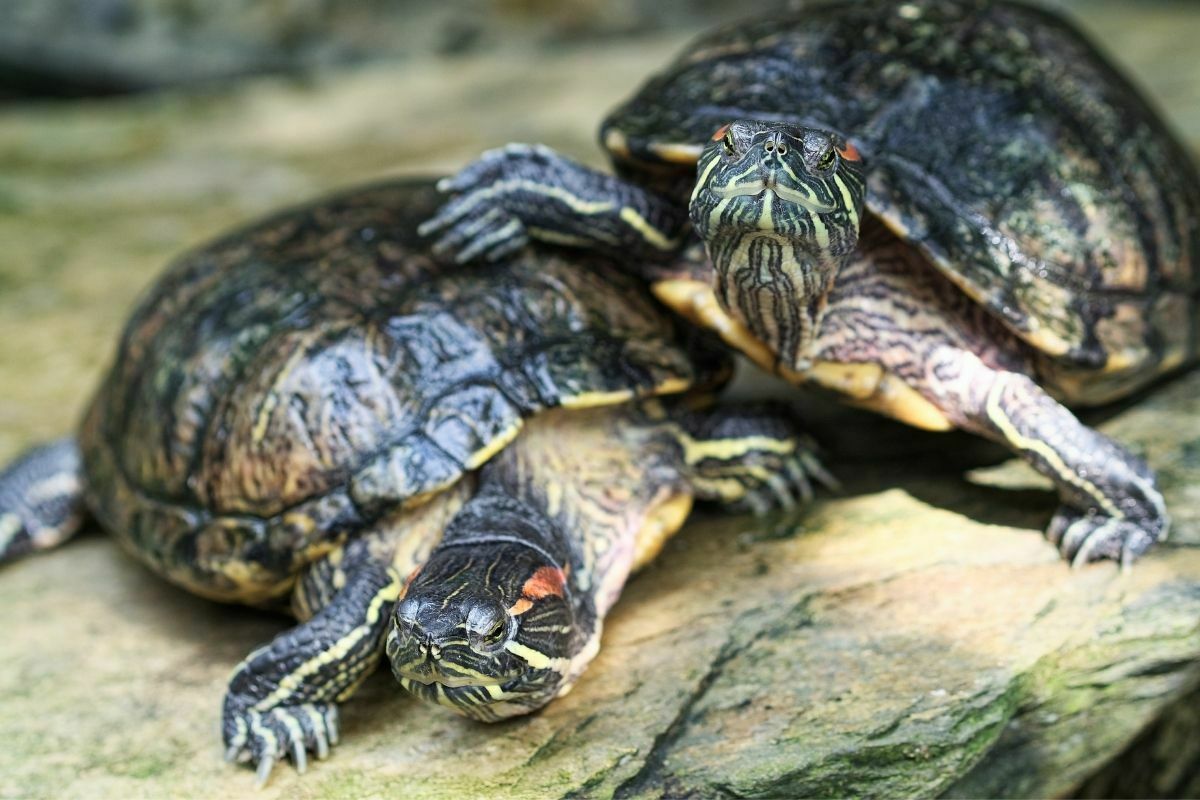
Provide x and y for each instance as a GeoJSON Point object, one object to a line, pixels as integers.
{"type": "Point", "coordinates": [1112, 507]}
{"type": "Point", "coordinates": [522, 192]}
{"type": "Point", "coordinates": [282, 699]}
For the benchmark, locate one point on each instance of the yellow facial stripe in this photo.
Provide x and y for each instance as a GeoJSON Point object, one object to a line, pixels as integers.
{"type": "Point", "coordinates": [820, 232]}
{"type": "Point", "coordinates": [791, 173]}
{"type": "Point", "coordinates": [704, 175]}
{"type": "Point", "coordinates": [847, 200]}
{"type": "Point", "coordinates": [535, 659]}
{"type": "Point", "coordinates": [766, 220]}
{"type": "Point", "coordinates": [1053, 460]}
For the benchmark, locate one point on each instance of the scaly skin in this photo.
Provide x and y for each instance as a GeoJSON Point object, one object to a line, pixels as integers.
{"type": "Point", "coordinates": [510, 574]}
{"type": "Point", "coordinates": [506, 613]}
{"type": "Point", "coordinates": [41, 503]}
{"type": "Point", "coordinates": [304, 407]}
{"type": "Point", "coordinates": [1023, 174]}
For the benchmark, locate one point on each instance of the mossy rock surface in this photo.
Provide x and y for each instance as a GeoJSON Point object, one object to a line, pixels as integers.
{"type": "Point", "coordinates": [912, 636]}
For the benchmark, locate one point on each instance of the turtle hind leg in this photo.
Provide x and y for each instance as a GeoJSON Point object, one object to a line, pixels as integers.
{"type": "Point", "coordinates": [41, 499]}
{"type": "Point", "coordinates": [1111, 505]}
{"type": "Point", "coordinates": [282, 699]}
{"type": "Point", "coordinates": [749, 456]}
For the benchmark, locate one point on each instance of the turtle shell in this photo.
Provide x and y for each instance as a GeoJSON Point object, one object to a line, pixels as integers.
{"type": "Point", "coordinates": [998, 141]}
{"type": "Point", "coordinates": [320, 369]}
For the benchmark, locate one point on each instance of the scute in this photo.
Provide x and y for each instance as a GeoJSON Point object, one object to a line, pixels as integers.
{"type": "Point", "coordinates": [319, 369]}
{"type": "Point", "coordinates": [997, 140]}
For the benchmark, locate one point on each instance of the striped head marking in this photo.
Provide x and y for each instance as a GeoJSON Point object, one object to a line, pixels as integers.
{"type": "Point", "coordinates": [486, 628]}
{"type": "Point", "coordinates": [778, 207]}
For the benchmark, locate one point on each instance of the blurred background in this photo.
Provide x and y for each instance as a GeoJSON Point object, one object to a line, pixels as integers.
{"type": "Point", "coordinates": [80, 48]}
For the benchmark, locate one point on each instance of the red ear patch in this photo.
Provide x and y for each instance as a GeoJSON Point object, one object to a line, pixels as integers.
{"type": "Point", "coordinates": [520, 607]}
{"type": "Point", "coordinates": [850, 152]}
{"type": "Point", "coordinates": [408, 583]}
{"type": "Point", "coordinates": [545, 582]}
{"type": "Point", "coordinates": [721, 131]}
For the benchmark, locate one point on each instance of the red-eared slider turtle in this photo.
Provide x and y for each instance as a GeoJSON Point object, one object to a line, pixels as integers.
{"type": "Point", "coordinates": [954, 212]}
{"type": "Point", "coordinates": [302, 408]}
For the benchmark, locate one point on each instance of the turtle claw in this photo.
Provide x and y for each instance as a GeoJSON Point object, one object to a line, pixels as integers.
{"type": "Point", "coordinates": [1086, 536]}
{"type": "Point", "coordinates": [482, 221]}
{"type": "Point", "coordinates": [267, 737]}
{"type": "Point", "coordinates": [792, 487]}
{"type": "Point", "coordinates": [263, 773]}
{"type": "Point", "coordinates": [476, 226]}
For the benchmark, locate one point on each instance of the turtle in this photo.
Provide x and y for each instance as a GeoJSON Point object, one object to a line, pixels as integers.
{"type": "Point", "coordinates": [953, 212]}
{"type": "Point", "coordinates": [458, 467]}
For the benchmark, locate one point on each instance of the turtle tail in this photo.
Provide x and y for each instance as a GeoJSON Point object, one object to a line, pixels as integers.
{"type": "Point", "coordinates": [41, 499]}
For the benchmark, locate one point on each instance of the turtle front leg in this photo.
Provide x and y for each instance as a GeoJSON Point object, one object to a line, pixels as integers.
{"type": "Point", "coordinates": [41, 499]}
{"type": "Point", "coordinates": [1112, 507]}
{"type": "Point", "coordinates": [522, 192]}
{"type": "Point", "coordinates": [282, 699]}
{"type": "Point", "coordinates": [749, 457]}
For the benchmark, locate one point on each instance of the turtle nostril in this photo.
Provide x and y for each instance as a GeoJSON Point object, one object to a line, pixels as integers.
{"type": "Point", "coordinates": [769, 146]}
{"type": "Point", "coordinates": [782, 149]}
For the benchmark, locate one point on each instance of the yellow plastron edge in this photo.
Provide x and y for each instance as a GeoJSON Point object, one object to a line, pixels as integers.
{"type": "Point", "coordinates": [867, 386]}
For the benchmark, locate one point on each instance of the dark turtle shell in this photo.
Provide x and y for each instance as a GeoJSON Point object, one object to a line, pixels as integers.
{"type": "Point", "coordinates": [997, 139]}
{"type": "Point", "coordinates": [320, 369]}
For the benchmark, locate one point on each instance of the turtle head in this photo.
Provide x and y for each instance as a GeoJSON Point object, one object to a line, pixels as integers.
{"type": "Point", "coordinates": [778, 207]}
{"type": "Point", "coordinates": [486, 627]}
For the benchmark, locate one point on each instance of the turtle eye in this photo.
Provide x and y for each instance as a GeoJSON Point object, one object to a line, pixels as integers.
{"type": "Point", "coordinates": [486, 629]}
{"type": "Point", "coordinates": [727, 141]}
{"type": "Point", "coordinates": [825, 162]}
{"type": "Point", "coordinates": [493, 636]}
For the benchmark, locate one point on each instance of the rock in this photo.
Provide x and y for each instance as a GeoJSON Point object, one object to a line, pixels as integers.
{"type": "Point", "coordinates": [913, 635]}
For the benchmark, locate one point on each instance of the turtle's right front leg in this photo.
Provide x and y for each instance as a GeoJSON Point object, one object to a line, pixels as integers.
{"type": "Point", "coordinates": [521, 192]}
{"type": "Point", "coordinates": [1112, 506]}
{"type": "Point", "coordinates": [282, 699]}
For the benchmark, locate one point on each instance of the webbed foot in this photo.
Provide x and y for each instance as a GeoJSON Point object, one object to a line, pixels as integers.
{"type": "Point", "coordinates": [1111, 508]}
{"type": "Point", "coordinates": [793, 486]}
{"type": "Point", "coordinates": [520, 192]}
{"type": "Point", "coordinates": [483, 220]}
{"type": "Point", "coordinates": [263, 738]}
{"type": "Point", "coordinates": [1083, 537]}
{"type": "Point", "coordinates": [752, 457]}
{"type": "Point", "coordinates": [281, 698]}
